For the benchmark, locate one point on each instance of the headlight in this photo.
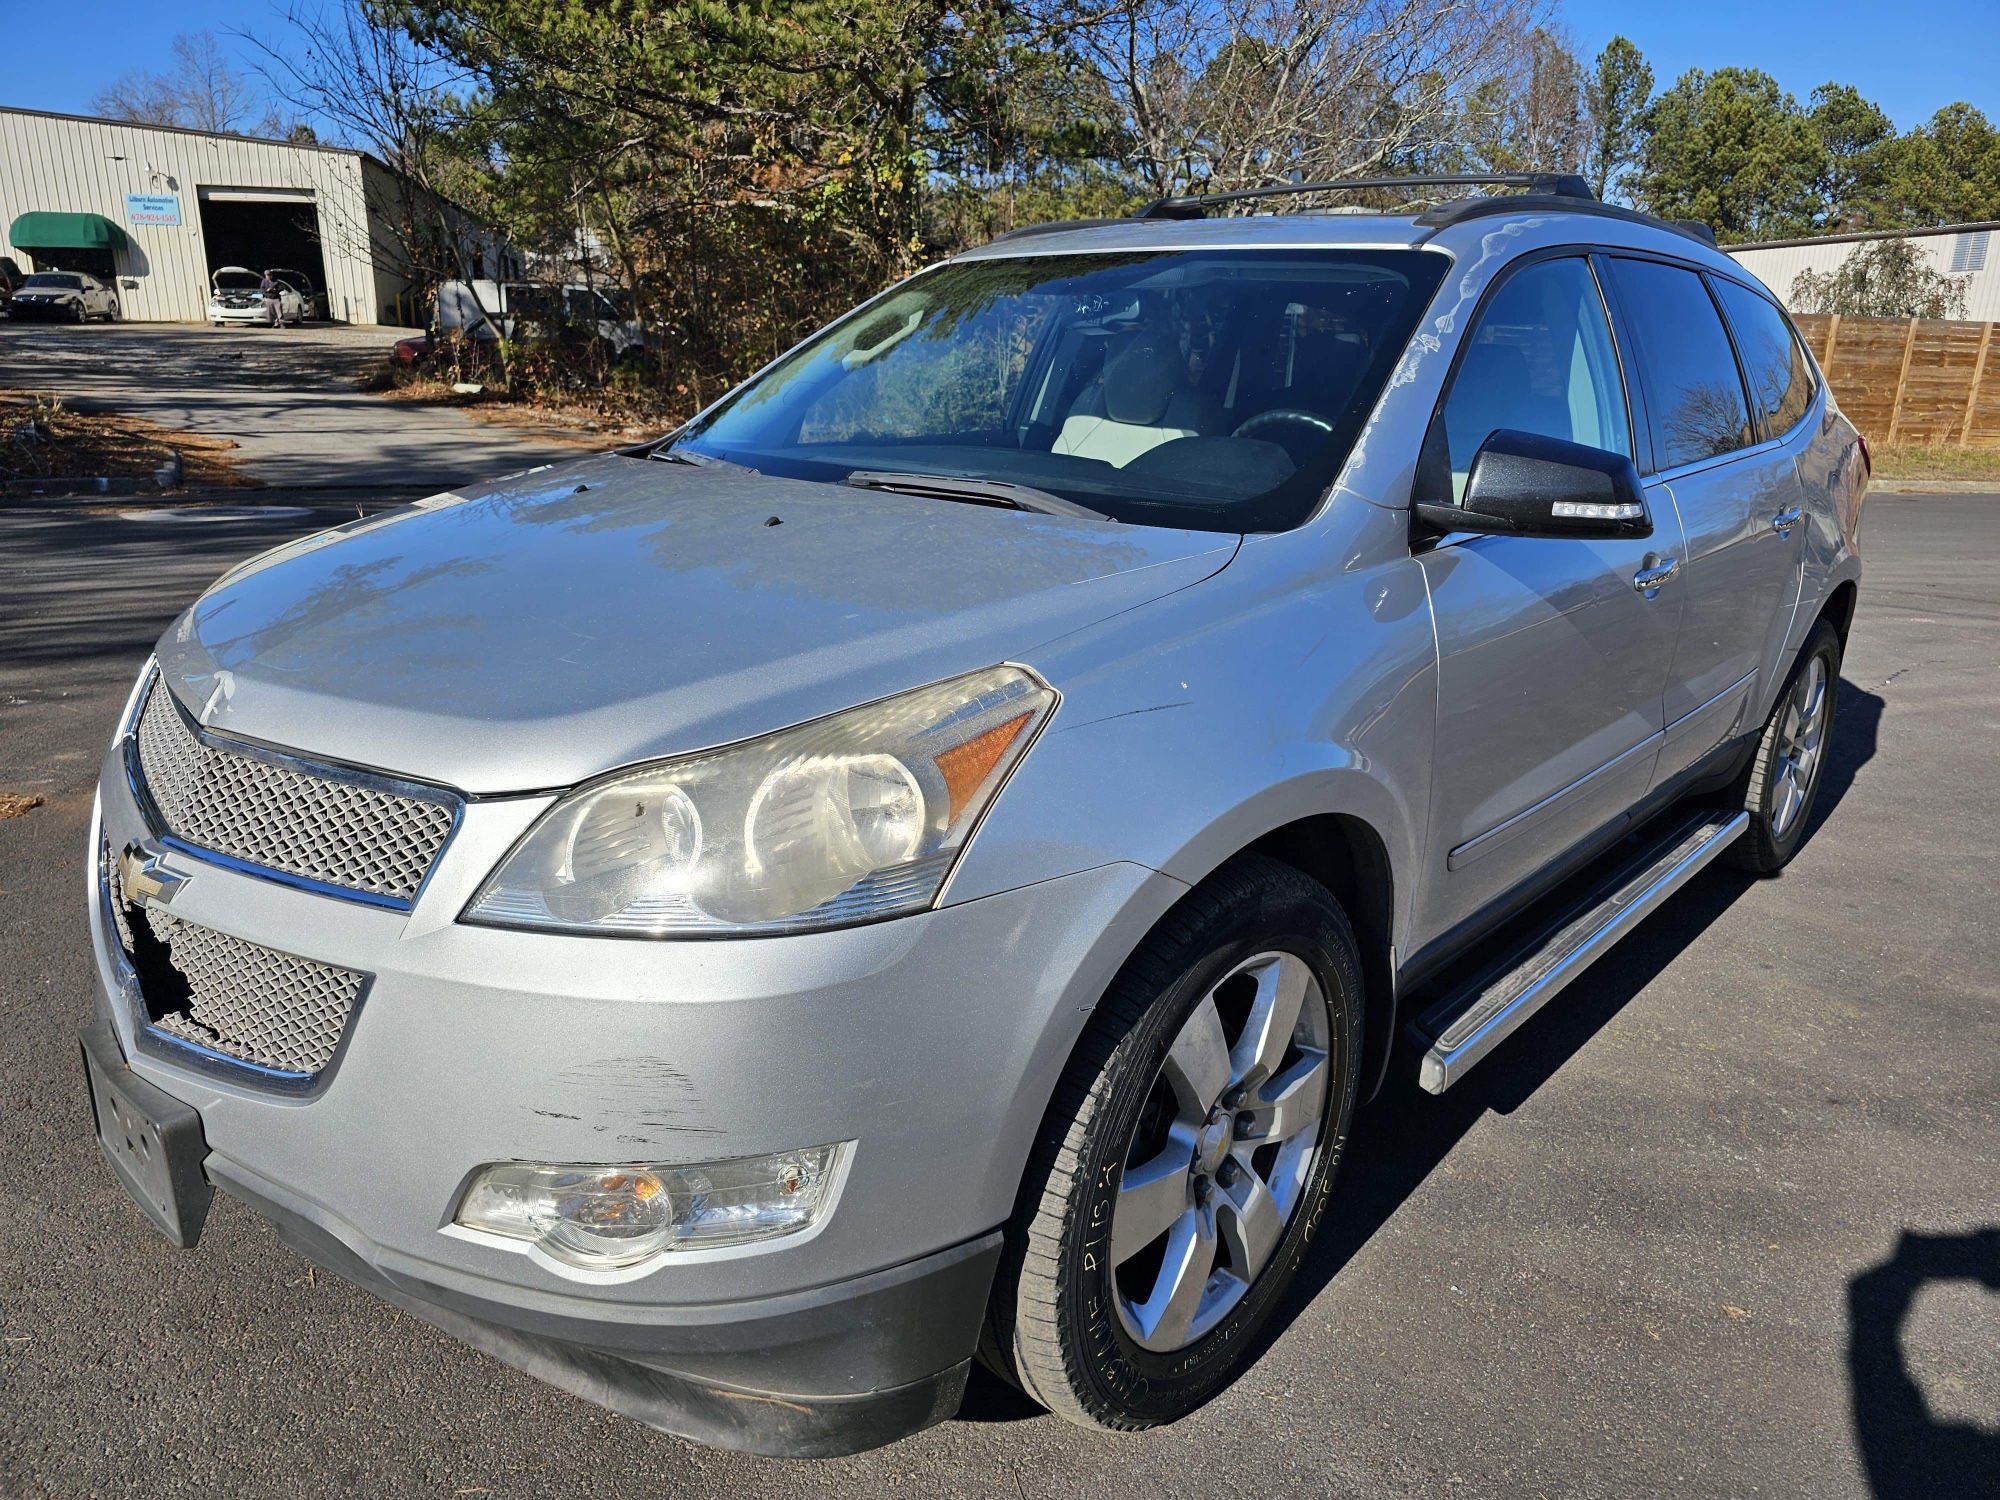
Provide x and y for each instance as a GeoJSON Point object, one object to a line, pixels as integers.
{"type": "Point", "coordinates": [842, 820]}
{"type": "Point", "coordinates": [608, 1218]}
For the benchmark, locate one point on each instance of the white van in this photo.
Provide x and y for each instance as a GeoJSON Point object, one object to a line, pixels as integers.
{"type": "Point", "coordinates": [535, 309]}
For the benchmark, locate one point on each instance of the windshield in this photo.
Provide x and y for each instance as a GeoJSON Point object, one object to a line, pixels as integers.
{"type": "Point", "coordinates": [1219, 390]}
{"type": "Point", "coordinates": [50, 278]}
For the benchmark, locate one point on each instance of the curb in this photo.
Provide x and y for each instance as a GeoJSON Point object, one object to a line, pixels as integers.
{"type": "Point", "coordinates": [1934, 486]}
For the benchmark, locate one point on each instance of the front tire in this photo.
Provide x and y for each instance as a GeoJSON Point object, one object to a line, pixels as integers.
{"type": "Point", "coordinates": [1187, 1156]}
{"type": "Point", "coordinates": [1784, 775]}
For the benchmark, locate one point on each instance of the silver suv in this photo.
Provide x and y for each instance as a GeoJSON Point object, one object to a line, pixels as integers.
{"type": "Point", "coordinates": [923, 863]}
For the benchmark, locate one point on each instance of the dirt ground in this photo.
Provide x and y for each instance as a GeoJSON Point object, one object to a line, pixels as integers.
{"type": "Point", "coordinates": [43, 438]}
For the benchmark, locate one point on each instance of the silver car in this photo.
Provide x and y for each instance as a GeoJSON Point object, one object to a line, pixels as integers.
{"type": "Point", "coordinates": [923, 863]}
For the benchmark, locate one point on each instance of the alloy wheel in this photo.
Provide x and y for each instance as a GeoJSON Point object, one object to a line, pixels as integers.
{"type": "Point", "coordinates": [1222, 1151]}
{"type": "Point", "coordinates": [1800, 732]}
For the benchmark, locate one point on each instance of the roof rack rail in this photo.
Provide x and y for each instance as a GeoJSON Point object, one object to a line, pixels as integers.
{"type": "Point", "coordinates": [1446, 214]}
{"type": "Point", "coordinates": [1563, 185]}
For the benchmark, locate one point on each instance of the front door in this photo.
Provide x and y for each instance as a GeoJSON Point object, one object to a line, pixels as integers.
{"type": "Point", "coordinates": [1552, 660]}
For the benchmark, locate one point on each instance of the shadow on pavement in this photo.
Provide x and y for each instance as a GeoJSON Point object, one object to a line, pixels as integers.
{"type": "Point", "coordinates": [1905, 1449]}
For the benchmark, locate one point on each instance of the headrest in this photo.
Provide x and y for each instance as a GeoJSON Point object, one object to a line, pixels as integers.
{"type": "Point", "coordinates": [1139, 383]}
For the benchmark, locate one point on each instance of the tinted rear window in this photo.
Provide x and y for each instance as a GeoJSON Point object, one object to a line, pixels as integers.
{"type": "Point", "coordinates": [1781, 384]}
{"type": "Point", "coordinates": [1694, 395]}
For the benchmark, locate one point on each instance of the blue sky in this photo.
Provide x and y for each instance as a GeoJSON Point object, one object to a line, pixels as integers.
{"type": "Point", "coordinates": [1910, 56]}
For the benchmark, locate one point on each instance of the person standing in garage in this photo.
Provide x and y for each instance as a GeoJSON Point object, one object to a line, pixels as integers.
{"type": "Point", "coordinates": [273, 309]}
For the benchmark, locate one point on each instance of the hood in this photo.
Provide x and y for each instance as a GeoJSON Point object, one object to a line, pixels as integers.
{"type": "Point", "coordinates": [241, 279]}
{"type": "Point", "coordinates": [567, 621]}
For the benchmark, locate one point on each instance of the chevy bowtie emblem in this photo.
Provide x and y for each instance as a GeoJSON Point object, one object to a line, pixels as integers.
{"type": "Point", "coordinates": [143, 876]}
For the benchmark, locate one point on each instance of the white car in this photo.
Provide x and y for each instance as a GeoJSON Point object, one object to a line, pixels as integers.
{"type": "Point", "coordinates": [72, 296]}
{"type": "Point", "coordinates": [237, 296]}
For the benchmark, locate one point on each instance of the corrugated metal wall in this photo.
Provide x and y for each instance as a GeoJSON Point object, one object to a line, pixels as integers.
{"type": "Point", "coordinates": [1779, 265]}
{"type": "Point", "coordinates": [61, 164]}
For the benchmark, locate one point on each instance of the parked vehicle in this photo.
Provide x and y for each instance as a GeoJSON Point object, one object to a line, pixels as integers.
{"type": "Point", "coordinates": [11, 277]}
{"type": "Point", "coordinates": [924, 862]}
{"type": "Point", "coordinates": [67, 296]}
{"type": "Point", "coordinates": [531, 309]}
{"type": "Point", "coordinates": [237, 296]}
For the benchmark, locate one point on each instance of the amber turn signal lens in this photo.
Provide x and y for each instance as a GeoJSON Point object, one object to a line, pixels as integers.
{"type": "Point", "coordinates": [965, 767]}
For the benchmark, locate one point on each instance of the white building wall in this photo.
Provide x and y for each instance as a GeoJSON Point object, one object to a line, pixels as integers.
{"type": "Point", "coordinates": [1777, 266]}
{"type": "Point", "coordinates": [64, 164]}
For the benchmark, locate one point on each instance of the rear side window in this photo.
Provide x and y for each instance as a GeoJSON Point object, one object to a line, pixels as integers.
{"type": "Point", "coordinates": [1539, 360]}
{"type": "Point", "coordinates": [1781, 385]}
{"type": "Point", "coordinates": [1694, 394]}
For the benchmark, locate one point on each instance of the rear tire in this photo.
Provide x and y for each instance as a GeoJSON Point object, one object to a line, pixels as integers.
{"type": "Point", "coordinates": [1783, 781]}
{"type": "Point", "coordinates": [1104, 1309]}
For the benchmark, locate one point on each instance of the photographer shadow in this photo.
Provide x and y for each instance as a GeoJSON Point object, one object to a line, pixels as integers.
{"type": "Point", "coordinates": [1905, 1449]}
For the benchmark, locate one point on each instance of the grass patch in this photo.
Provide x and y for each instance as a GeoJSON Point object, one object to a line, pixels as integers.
{"type": "Point", "coordinates": [43, 439]}
{"type": "Point", "coordinates": [1936, 461]}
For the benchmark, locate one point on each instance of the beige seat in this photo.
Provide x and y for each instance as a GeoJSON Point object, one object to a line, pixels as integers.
{"type": "Point", "coordinates": [1138, 403]}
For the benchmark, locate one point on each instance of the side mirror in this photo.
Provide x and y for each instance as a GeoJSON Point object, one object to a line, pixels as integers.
{"type": "Point", "coordinates": [1525, 485]}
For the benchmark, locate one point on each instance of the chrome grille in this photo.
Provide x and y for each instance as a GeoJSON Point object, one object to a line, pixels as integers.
{"type": "Point", "coordinates": [322, 826]}
{"type": "Point", "coordinates": [251, 1002]}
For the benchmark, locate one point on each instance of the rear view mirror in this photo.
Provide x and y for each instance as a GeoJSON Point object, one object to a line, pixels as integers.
{"type": "Point", "coordinates": [1522, 484]}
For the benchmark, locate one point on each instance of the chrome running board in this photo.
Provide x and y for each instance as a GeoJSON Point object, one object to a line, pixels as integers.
{"type": "Point", "coordinates": [1474, 1018]}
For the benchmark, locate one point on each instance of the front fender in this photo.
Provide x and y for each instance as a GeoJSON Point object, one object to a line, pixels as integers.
{"type": "Point", "coordinates": [1298, 681]}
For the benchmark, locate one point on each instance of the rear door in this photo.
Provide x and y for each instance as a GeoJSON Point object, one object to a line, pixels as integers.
{"type": "Point", "coordinates": [1782, 387]}
{"type": "Point", "coordinates": [1736, 494]}
{"type": "Point", "coordinates": [1552, 664]}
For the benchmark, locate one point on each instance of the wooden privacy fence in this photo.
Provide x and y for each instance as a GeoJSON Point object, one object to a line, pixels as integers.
{"type": "Point", "coordinates": [1911, 380]}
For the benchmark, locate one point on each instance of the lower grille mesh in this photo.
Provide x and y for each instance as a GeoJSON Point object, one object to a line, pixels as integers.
{"type": "Point", "coordinates": [253, 1002]}
{"type": "Point", "coordinates": [230, 995]}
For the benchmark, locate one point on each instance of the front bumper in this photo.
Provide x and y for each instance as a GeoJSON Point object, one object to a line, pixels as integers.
{"type": "Point", "coordinates": [255, 313]}
{"type": "Point", "coordinates": [931, 1042]}
{"type": "Point", "coordinates": [32, 309]}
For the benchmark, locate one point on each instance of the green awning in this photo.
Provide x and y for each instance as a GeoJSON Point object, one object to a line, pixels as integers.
{"type": "Point", "coordinates": [49, 231]}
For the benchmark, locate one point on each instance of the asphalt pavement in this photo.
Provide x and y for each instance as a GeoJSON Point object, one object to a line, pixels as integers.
{"type": "Point", "coordinates": [1723, 1221]}
{"type": "Point", "coordinates": [287, 397]}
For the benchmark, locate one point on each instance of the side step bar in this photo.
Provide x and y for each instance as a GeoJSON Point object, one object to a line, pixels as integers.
{"type": "Point", "coordinates": [1471, 1020]}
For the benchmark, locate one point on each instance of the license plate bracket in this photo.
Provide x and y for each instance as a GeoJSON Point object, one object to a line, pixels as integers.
{"type": "Point", "coordinates": [152, 1141]}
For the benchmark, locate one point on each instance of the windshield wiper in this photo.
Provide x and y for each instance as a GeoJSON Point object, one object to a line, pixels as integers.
{"type": "Point", "coordinates": [977, 491]}
{"type": "Point", "coordinates": [678, 455]}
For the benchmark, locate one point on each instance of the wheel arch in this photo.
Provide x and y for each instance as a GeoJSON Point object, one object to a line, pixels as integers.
{"type": "Point", "coordinates": [1839, 607]}
{"type": "Point", "coordinates": [1345, 854]}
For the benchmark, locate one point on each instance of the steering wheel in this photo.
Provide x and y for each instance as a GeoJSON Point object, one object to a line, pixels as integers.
{"type": "Point", "coordinates": [1282, 414]}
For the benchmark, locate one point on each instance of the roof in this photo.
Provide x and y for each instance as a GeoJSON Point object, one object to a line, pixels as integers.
{"type": "Point", "coordinates": [1461, 232]}
{"type": "Point", "coordinates": [214, 135]}
{"type": "Point", "coordinates": [1868, 234]}
{"type": "Point", "coordinates": [1246, 231]}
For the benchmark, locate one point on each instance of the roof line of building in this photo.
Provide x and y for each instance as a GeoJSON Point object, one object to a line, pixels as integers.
{"type": "Point", "coordinates": [219, 135]}
{"type": "Point", "coordinates": [1867, 234]}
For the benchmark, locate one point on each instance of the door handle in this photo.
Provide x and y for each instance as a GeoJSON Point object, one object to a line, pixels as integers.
{"type": "Point", "coordinates": [1646, 580]}
{"type": "Point", "coordinates": [1785, 520]}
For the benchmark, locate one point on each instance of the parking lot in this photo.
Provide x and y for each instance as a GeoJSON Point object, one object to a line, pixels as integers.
{"type": "Point", "coordinates": [1725, 1220]}
{"type": "Point", "coordinates": [287, 396]}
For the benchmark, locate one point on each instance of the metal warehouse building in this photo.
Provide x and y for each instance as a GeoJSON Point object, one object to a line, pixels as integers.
{"type": "Point", "coordinates": [1971, 251]}
{"type": "Point", "coordinates": [160, 209]}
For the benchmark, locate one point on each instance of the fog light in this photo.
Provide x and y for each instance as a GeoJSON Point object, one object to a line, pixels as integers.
{"type": "Point", "coordinates": [606, 1218]}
